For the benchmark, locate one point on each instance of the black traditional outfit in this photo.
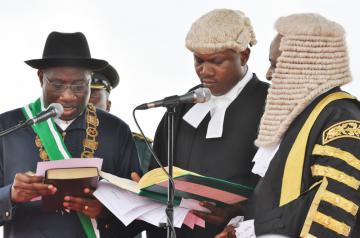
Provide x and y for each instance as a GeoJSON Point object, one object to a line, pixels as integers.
{"type": "Point", "coordinates": [20, 152]}
{"type": "Point", "coordinates": [310, 183]}
{"type": "Point", "coordinates": [227, 157]}
{"type": "Point", "coordinates": [330, 178]}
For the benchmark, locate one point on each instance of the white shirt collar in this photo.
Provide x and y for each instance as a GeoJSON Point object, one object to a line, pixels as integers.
{"type": "Point", "coordinates": [264, 155]}
{"type": "Point", "coordinates": [217, 106]}
{"type": "Point", "coordinates": [63, 124]}
{"type": "Point", "coordinates": [262, 159]}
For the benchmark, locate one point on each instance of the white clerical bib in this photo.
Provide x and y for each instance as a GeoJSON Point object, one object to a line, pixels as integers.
{"type": "Point", "coordinates": [217, 106]}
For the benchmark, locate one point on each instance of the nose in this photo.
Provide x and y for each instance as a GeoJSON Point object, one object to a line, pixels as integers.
{"type": "Point", "coordinates": [68, 94]}
{"type": "Point", "coordinates": [206, 70]}
{"type": "Point", "coordinates": [269, 73]}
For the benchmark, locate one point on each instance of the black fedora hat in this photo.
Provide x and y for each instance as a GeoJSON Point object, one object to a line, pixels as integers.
{"type": "Point", "coordinates": [67, 49]}
{"type": "Point", "coordinates": [105, 78]}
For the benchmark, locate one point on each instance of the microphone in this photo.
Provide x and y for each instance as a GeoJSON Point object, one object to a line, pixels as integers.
{"type": "Point", "coordinates": [53, 110]}
{"type": "Point", "coordinates": [199, 95]}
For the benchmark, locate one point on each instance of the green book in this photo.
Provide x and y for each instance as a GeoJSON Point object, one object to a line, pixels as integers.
{"type": "Point", "coordinates": [187, 185]}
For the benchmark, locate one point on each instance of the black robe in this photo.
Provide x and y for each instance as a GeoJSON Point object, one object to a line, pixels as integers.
{"type": "Point", "coordinates": [229, 157]}
{"type": "Point", "coordinates": [18, 153]}
{"type": "Point", "coordinates": [289, 219]}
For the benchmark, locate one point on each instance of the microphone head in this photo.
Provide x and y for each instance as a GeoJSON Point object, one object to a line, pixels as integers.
{"type": "Point", "coordinates": [57, 108]}
{"type": "Point", "coordinates": [202, 95]}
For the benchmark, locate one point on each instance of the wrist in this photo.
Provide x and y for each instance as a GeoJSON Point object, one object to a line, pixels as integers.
{"type": "Point", "coordinates": [235, 210]}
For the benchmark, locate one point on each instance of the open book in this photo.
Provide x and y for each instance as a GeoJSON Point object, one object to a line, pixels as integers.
{"type": "Point", "coordinates": [188, 185]}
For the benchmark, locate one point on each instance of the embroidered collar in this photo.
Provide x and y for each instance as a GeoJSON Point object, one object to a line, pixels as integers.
{"type": "Point", "coordinates": [217, 106]}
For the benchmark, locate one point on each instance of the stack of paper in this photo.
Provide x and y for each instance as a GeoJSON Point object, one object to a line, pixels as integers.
{"type": "Point", "coordinates": [121, 197]}
{"type": "Point", "coordinates": [128, 206]}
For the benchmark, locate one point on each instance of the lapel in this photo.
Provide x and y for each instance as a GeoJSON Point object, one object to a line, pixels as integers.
{"type": "Point", "coordinates": [241, 100]}
{"type": "Point", "coordinates": [245, 96]}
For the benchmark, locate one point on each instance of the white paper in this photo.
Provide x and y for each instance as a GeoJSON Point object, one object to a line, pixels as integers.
{"type": "Point", "coordinates": [179, 215]}
{"type": "Point", "coordinates": [152, 208]}
{"type": "Point", "coordinates": [128, 206]}
{"type": "Point", "coordinates": [154, 217]}
{"type": "Point", "coordinates": [193, 204]}
{"type": "Point", "coordinates": [121, 182]}
{"type": "Point", "coordinates": [235, 221]}
{"type": "Point", "coordinates": [157, 216]}
{"type": "Point", "coordinates": [246, 229]}
{"type": "Point", "coordinates": [119, 201]}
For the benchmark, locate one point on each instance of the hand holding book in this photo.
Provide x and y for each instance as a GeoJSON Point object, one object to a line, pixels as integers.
{"type": "Point", "coordinates": [88, 205]}
{"type": "Point", "coordinates": [71, 184]}
{"type": "Point", "coordinates": [70, 177]}
{"type": "Point", "coordinates": [27, 186]}
{"type": "Point", "coordinates": [219, 215]}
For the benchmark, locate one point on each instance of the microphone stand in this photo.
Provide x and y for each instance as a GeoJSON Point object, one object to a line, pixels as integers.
{"type": "Point", "coordinates": [15, 128]}
{"type": "Point", "coordinates": [170, 113]}
{"type": "Point", "coordinates": [170, 154]}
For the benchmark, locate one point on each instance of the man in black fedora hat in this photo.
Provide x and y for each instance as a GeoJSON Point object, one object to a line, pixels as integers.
{"type": "Point", "coordinates": [82, 131]}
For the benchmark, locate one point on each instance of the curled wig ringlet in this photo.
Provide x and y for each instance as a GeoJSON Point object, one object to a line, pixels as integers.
{"type": "Point", "coordinates": [313, 60]}
{"type": "Point", "coordinates": [219, 30]}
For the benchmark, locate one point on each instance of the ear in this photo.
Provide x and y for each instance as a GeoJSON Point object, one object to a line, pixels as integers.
{"type": "Point", "coordinates": [40, 74]}
{"type": "Point", "coordinates": [108, 105]}
{"type": "Point", "coordinates": [244, 56]}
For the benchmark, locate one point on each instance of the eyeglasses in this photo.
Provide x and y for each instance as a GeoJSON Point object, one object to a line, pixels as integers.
{"type": "Point", "coordinates": [61, 87]}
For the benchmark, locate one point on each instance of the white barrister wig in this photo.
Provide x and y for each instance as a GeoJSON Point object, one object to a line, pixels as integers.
{"type": "Point", "coordinates": [308, 24]}
{"type": "Point", "coordinates": [313, 60]}
{"type": "Point", "coordinates": [220, 29]}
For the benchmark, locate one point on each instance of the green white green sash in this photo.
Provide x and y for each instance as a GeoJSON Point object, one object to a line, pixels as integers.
{"type": "Point", "coordinates": [55, 148]}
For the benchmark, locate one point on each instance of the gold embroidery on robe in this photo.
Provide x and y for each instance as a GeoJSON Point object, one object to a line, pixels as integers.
{"type": "Point", "coordinates": [341, 202]}
{"type": "Point", "coordinates": [319, 170]}
{"type": "Point", "coordinates": [332, 224]}
{"type": "Point", "coordinates": [349, 128]}
{"type": "Point", "coordinates": [325, 150]}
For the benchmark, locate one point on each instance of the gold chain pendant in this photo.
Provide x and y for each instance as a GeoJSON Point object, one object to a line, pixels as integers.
{"type": "Point", "coordinates": [89, 143]}
{"type": "Point", "coordinates": [43, 155]}
{"type": "Point", "coordinates": [92, 122]}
